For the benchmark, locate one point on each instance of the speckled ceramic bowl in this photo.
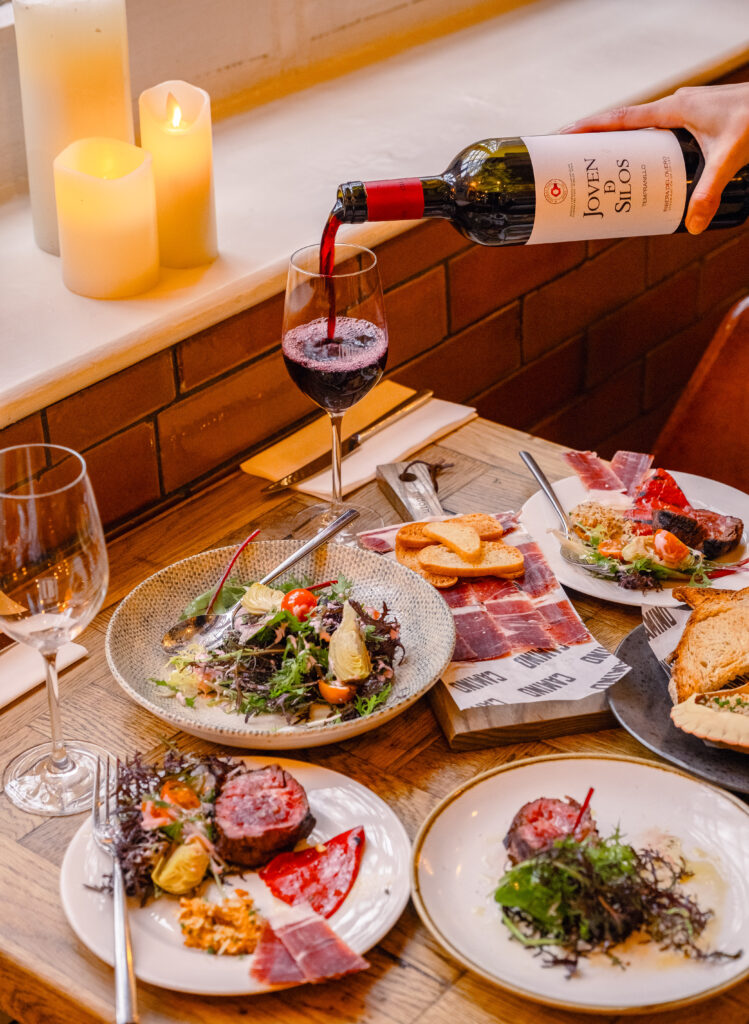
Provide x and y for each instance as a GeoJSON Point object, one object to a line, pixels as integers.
{"type": "Point", "coordinates": [134, 652]}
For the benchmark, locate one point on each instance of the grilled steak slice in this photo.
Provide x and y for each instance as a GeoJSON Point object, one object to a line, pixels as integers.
{"type": "Point", "coordinates": [260, 813]}
{"type": "Point", "coordinates": [683, 526]}
{"type": "Point", "coordinates": [721, 532]}
{"type": "Point", "coordinates": [538, 825]}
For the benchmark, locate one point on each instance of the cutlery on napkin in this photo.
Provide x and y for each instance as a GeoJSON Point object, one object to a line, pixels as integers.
{"type": "Point", "coordinates": [425, 424]}
{"type": "Point", "coordinates": [22, 668]}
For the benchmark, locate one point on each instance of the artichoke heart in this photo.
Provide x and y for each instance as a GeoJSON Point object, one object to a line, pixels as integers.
{"type": "Point", "coordinates": [182, 869]}
{"type": "Point", "coordinates": [259, 599]}
{"type": "Point", "coordinates": [348, 656]}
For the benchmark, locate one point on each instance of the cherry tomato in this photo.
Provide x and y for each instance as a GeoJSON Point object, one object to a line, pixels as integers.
{"type": "Point", "coordinates": [335, 694]}
{"type": "Point", "coordinates": [175, 792]}
{"type": "Point", "coordinates": [299, 602]}
{"type": "Point", "coordinates": [610, 549]}
{"type": "Point", "coordinates": [669, 548]}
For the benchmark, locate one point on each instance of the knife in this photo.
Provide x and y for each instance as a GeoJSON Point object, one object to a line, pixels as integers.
{"type": "Point", "coordinates": [351, 443]}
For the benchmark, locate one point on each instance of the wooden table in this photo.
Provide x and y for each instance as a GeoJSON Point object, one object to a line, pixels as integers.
{"type": "Point", "coordinates": [47, 976]}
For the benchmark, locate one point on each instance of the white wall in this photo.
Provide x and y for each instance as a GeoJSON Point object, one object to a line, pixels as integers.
{"type": "Point", "coordinates": [231, 46]}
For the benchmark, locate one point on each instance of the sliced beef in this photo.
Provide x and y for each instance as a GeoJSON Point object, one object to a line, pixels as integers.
{"type": "Point", "coordinates": [260, 813]}
{"type": "Point", "coordinates": [721, 532]}
{"type": "Point", "coordinates": [538, 825]}
{"type": "Point", "coordinates": [683, 526]}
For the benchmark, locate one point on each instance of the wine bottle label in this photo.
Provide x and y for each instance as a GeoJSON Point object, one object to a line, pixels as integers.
{"type": "Point", "coordinates": [606, 185]}
{"type": "Point", "coordinates": [396, 199]}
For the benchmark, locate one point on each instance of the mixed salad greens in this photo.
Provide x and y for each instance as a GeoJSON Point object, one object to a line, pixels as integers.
{"type": "Point", "coordinates": [586, 896]}
{"type": "Point", "coordinates": [307, 651]}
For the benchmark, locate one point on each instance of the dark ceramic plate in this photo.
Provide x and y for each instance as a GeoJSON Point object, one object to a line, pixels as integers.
{"type": "Point", "coordinates": [642, 705]}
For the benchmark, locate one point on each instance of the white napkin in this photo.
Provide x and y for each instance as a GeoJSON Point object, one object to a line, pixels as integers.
{"type": "Point", "coordinates": [426, 424]}
{"type": "Point", "coordinates": [22, 668]}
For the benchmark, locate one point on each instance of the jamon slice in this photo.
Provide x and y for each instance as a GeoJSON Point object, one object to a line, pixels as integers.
{"type": "Point", "coordinates": [322, 875]}
{"type": "Point", "coordinates": [459, 595]}
{"type": "Point", "coordinates": [489, 588]}
{"type": "Point", "coordinates": [523, 627]}
{"type": "Point", "coordinates": [596, 474]}
{"type": "Point", "coordinates": [260, 813]}
{"type": "Point", "coordinates": [563, 624]}
{"type": "Point", "coordinates": [539, 823]}
{"type": "Point", "coordinates": [271, 963]}
{"type": "Point", "coordinates": [631, 467]}
{"type": "Point", "coordinates": [507, 520]}
{"type": "Point", "coordinates": [537, 579]}
{"type": "Point", "coordinates": [305, 937]}
{"type": "Point", "coordinates": [479, 634]}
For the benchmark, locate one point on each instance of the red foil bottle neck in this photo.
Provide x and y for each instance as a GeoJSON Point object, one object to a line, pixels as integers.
{"type": "Point", "coordinates": [396, 199]}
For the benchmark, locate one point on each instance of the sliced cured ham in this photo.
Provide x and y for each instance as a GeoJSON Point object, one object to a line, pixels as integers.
{"type": "Point", "coordinates": [596, 474]}
{"type": "Point", "coordinates": [522, 625]}
{"type": "Point", "coordinates": [321, 875]}
{"type": "Point", "coordinates": [537, 579]}
{"type": "Point", "coordinates": [306, 939]}
{"type": "Point", "coordinates": [631, 467]}
{"type": "Point", "coordinates": [487, 588]}
{"type": "Point", "coordinates": [478, 636]}
{"type": "Point", "coordinates": [563, 624]}
{"type": "Point", "coordinates": [460, 595]}
{"type": "Point", "coordinates": [507, 520]}
{"type": "Point", "coordinates": [272, 964]}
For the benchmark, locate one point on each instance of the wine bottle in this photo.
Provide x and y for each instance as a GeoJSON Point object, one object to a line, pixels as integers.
{"type": "Point", "coordinates": [554, 188]}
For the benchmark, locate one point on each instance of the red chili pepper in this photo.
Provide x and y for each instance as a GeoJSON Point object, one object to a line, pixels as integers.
{"type": "Point", "coordinates": [299, 602]}
{"type": "Point", "coordinates": [583, 809]}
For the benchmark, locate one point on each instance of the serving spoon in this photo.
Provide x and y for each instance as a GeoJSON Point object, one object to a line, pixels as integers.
{"type": "Point", "coordinates": [208, 628]}
{"type": "Point", "coordinates": [567, 548]}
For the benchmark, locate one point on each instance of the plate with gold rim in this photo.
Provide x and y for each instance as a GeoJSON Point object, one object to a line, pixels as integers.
{"type": "Point", "coordinates": [459, 857]}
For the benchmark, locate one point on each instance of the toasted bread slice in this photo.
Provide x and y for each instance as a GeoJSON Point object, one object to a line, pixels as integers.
{"type": "Point", "coordinates": [496, 559]}
{"type": "Point", "coordinates": [486, 526]}
{"type": "Point", "coordinates": [709, 601]}
{"type": "Point", "coordinates": [409, 557]}
{"type": "Point", "coordinates": [411, 535]}
{"type": "Point", "coordinates": [463, 540]}
{"type": "Point", "coordinates": [713, 650]}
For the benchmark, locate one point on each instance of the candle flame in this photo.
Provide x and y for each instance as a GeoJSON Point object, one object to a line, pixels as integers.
{"type": "Point", "coordinates": [173, 110]}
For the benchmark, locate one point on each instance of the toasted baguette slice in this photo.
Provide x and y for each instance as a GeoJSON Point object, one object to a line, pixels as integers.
{"type": "Point", "coordinates": [412, 535]}
{"type": "Point", "coordinates": [463, 540]}
{"type": "Point", "coordinates": [710, 602]}
{"type": "Point", "coordinates": [486, 526]}
{"type": "Point", "coordinates": [713, 650]}
{"type": "Point", "coordinates": [408, 557]}
{"type": "Point", "coordinates": [496, 559]}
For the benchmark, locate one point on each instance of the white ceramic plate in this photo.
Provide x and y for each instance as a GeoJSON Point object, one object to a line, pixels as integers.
{"type": "Point", "coordinates": [370, 910]}
{"type": "Point", "coordinates": [459, 857]}
{"type": "Point", "coordinates": [539, 517]}
{"type": "Point", "coordinates": [134, 654]}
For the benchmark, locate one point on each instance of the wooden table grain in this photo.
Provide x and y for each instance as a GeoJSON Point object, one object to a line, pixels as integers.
{"type": "Point", "coordinates": [48, 977]}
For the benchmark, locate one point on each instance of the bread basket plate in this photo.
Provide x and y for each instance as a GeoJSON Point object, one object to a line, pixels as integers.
{"type": "Point", "coordinates": [539, 518]}
{"type": "Point", "coordinates": [134, 653]}
{"type": "Point", "coordinates": [376, 901]}
{"type": "Point", "coordinates": [642, 706]}
{"type": "Point", "coordinates": [459, 857]}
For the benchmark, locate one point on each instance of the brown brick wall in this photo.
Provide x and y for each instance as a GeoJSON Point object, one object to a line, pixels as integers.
{"type": "Point", "coordinates": [588, 345]}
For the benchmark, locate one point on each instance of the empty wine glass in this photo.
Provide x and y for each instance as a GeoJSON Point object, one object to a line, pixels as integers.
{"type": "Point", "coordinates": [335, 345]}
{"type": "Point", "coordinates": [53, 578]}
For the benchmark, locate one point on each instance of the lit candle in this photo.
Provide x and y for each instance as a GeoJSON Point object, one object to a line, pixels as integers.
{"type": "Point", "coordinates": [175, 127]}
{"type": "Point", "coordinates": [75, 82]}
{"type": "Point", "coordinates": [106, 209]}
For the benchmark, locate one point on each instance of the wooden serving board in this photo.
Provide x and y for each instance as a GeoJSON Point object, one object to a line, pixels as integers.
{"type": "Point", "coordinates": [495, 725]}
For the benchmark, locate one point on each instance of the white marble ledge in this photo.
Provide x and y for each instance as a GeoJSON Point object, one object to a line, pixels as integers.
{"type": "Point", "coordinates": [277, 167]}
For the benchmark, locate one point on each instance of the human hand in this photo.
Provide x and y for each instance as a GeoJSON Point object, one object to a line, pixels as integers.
{"type": "Point", "coordinates": [717, 116]}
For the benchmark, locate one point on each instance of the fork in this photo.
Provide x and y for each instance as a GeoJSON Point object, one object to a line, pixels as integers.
{"type": "Point", "coordinates": [104, 830]}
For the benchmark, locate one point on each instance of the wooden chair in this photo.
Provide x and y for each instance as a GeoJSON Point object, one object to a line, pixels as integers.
{"type": "Point", "coordinates": [708, 431]}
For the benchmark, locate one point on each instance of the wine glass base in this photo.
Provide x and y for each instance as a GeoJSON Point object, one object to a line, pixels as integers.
{"type": "Point", "coordinates": [314, 518]}
{"type": "Point", "coordinates": [33, 784]}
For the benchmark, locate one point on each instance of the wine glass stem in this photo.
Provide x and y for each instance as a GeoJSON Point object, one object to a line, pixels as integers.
{"type": "Point", "coordinates": [336, 419]}
{"type": "Point", "coordinates": [59, 760]}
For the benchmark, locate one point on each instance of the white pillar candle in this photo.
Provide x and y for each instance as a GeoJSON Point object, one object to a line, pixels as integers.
{"type": "Point", "coordinates": [175, 127]}
{"type": "Point", "coordinates": [75, 82]}
{"type": "Point", "coordinates": [106, 208]}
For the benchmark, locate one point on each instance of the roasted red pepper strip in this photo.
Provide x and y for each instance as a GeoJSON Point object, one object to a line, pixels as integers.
{"type": "Point", "coordinates": [662, 487]}
{"type": "Point", "coordinates": [321, 877]}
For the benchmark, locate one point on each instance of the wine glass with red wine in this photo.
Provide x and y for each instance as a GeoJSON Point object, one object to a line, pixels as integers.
{"type": "Point", "coordinates": [335, 346]}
